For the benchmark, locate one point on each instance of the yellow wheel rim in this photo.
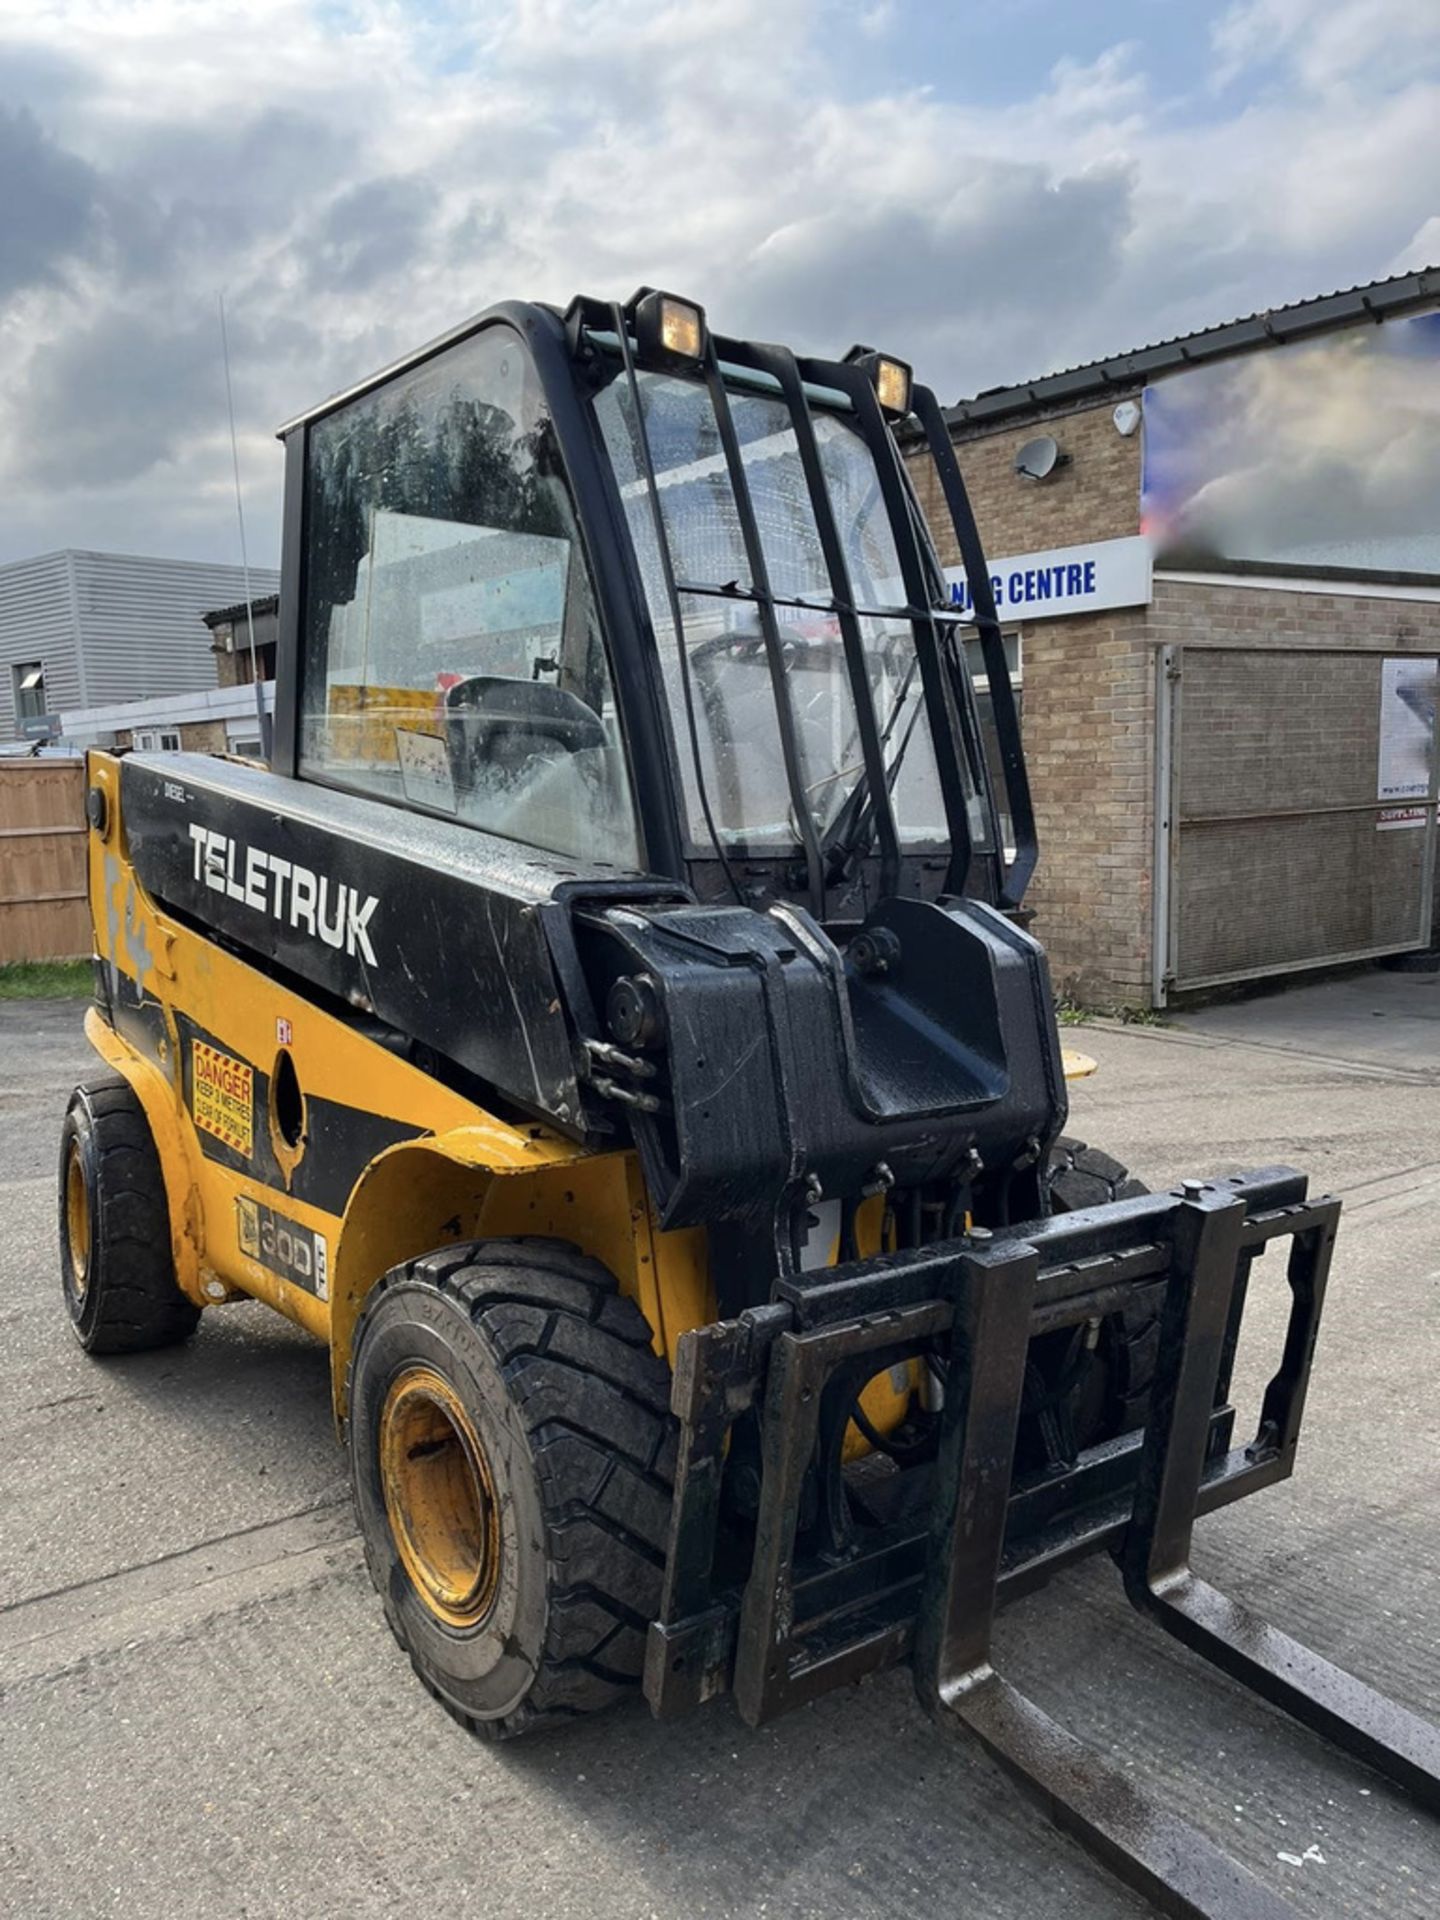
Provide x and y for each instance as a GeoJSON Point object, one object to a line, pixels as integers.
{"type": "Point", "coordinates": [77, 1219]}
{"type": "Point", "coordinates": [439, 1497]}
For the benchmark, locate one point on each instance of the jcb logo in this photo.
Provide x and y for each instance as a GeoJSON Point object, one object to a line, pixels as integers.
{"type": "Point", "coordinates": [295, 1252]}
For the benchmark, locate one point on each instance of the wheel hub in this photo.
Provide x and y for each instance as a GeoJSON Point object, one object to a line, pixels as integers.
{"type": "Point", "coordinates": [439, 1497]}
{"type": "Point", "coordinates": [77, 1220]}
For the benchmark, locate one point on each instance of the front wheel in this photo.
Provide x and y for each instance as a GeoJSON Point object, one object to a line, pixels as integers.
{"type": "Point", "coordinates": [512, 1455]}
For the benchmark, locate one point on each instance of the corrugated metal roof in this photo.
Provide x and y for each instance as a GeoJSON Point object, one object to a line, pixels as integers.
{"type": "Point", "coordinates": [1380, 300]}
{"type": "Point", "coordinates": [140, 622]}
{"type": "Point", "coordinates": [259, 607]}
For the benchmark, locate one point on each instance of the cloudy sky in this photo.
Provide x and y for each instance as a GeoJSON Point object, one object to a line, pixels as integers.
{"type": "Point", "coordinates": [994, 187]}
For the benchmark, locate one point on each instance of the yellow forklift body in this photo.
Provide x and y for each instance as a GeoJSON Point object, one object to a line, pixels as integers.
{"type": "Point", "coordinates": [610, 1023]}
{"type": "Point", "coordinates": [466, 1175]}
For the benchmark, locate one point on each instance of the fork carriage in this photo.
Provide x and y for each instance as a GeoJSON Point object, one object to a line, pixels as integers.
{"type": "Point", "coordinates": [842, 1585]}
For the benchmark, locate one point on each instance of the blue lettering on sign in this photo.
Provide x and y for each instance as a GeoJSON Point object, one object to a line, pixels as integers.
{"type": "Point", "coordinates": [1067, 580]}
{"type": "Point", "coordinates": [962, 599]}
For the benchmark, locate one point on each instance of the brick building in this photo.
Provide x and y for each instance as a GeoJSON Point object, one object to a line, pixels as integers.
{"type": "Point", "coordinates": [243, 639]}
{"type": "Point", "coordinates": [1227, 630]}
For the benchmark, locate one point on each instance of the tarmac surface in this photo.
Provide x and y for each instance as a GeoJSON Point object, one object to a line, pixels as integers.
{"type": "Point", "coordinates": [203, 1714]}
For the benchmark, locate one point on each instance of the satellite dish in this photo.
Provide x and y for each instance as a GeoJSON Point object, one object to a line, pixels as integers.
{"type": "Point", "coordinates": [1037, 459]}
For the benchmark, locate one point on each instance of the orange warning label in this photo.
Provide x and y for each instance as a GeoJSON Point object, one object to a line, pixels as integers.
{"type": "Point", "coordinates": [222, 1096]}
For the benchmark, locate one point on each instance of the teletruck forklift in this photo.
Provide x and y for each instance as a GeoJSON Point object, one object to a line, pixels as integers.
{"type": "Point", "coordinates": [610, 1023]}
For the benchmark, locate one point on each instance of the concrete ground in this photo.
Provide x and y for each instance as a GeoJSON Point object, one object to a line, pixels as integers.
{"type": "Point", "coordinates": [202, 1713]}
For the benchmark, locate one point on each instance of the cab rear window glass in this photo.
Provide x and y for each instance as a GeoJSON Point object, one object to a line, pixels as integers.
{"type": "Point", "coordinates": [453, 659]}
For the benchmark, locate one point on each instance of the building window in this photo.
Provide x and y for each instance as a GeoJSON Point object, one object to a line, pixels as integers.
{"type": "Point", "coordinates": [29, 691]}
{"type": "Point", "coordinates": [157, 740]}
{"type": "Point", "coordinates": [245, 665]}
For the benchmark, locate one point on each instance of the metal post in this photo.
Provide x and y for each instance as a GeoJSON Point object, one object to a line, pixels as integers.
{"type": "Point", "coordinates": [1167, 720]}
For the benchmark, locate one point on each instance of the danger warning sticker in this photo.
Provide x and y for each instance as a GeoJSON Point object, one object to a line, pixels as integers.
{"type": "Point", "coordinates": [222, 1096]}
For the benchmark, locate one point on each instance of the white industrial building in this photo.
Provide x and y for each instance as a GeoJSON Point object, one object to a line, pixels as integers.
{"type": "Point", "coordinates": [82, 630]}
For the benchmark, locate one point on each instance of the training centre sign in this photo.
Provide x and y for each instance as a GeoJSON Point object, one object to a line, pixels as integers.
{"type": "Point", "coordinates": [1041, 586]}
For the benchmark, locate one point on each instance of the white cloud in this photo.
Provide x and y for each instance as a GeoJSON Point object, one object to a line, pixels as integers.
{"type": "Point", "coordinates": [878, 20]}
{"type": "Point", "coordinates": [1421, 250]}
{"type": "Point", "coordinates": [359, 174]}
{"type": "Point", "coordinates": [1327, 45]}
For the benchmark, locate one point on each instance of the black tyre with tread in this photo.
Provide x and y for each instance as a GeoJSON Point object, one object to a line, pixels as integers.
{"type": "Point", "coordinates": [555, 1371]}
{"type": "Point", "coordinates": [117, 1270]}
{"type": "Point", "coordinates": [1083, 1176]}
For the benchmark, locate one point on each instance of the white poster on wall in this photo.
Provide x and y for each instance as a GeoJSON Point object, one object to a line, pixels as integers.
{"type": "Point", "coordinates": [1408, 688]}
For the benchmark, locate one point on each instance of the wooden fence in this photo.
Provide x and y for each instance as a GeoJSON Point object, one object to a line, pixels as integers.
{"type": "Point", "coordinates": [43, 915]}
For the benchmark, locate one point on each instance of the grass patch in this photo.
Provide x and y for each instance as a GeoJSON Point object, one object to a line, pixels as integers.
{"type": "Point", "coordinates": [46, 980]}
{"type": "Point", "coordinates": [1071, 1015]}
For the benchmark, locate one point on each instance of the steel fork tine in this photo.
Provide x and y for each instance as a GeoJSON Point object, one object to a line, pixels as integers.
{"type": "Point", "coordinates": [1182, 1873]}
{"type": "Point", "coordinates": [1155, 1558]}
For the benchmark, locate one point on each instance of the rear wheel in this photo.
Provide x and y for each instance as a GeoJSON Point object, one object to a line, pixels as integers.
{"type": "Point", "coordinates": [1082, 1176]}
{"type": "Point", "coordinates": [1129, 1343]}
{"type": "Point", "coordinates": [1089, 1384]}
{"type": "Point", "coordinates": [116, 1266]}
{"type": "Point", "coordinates": [512, 1454]}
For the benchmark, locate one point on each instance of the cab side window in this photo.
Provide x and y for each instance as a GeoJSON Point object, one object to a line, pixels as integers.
{"type": "Point", "coordinates": [452, 655]}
